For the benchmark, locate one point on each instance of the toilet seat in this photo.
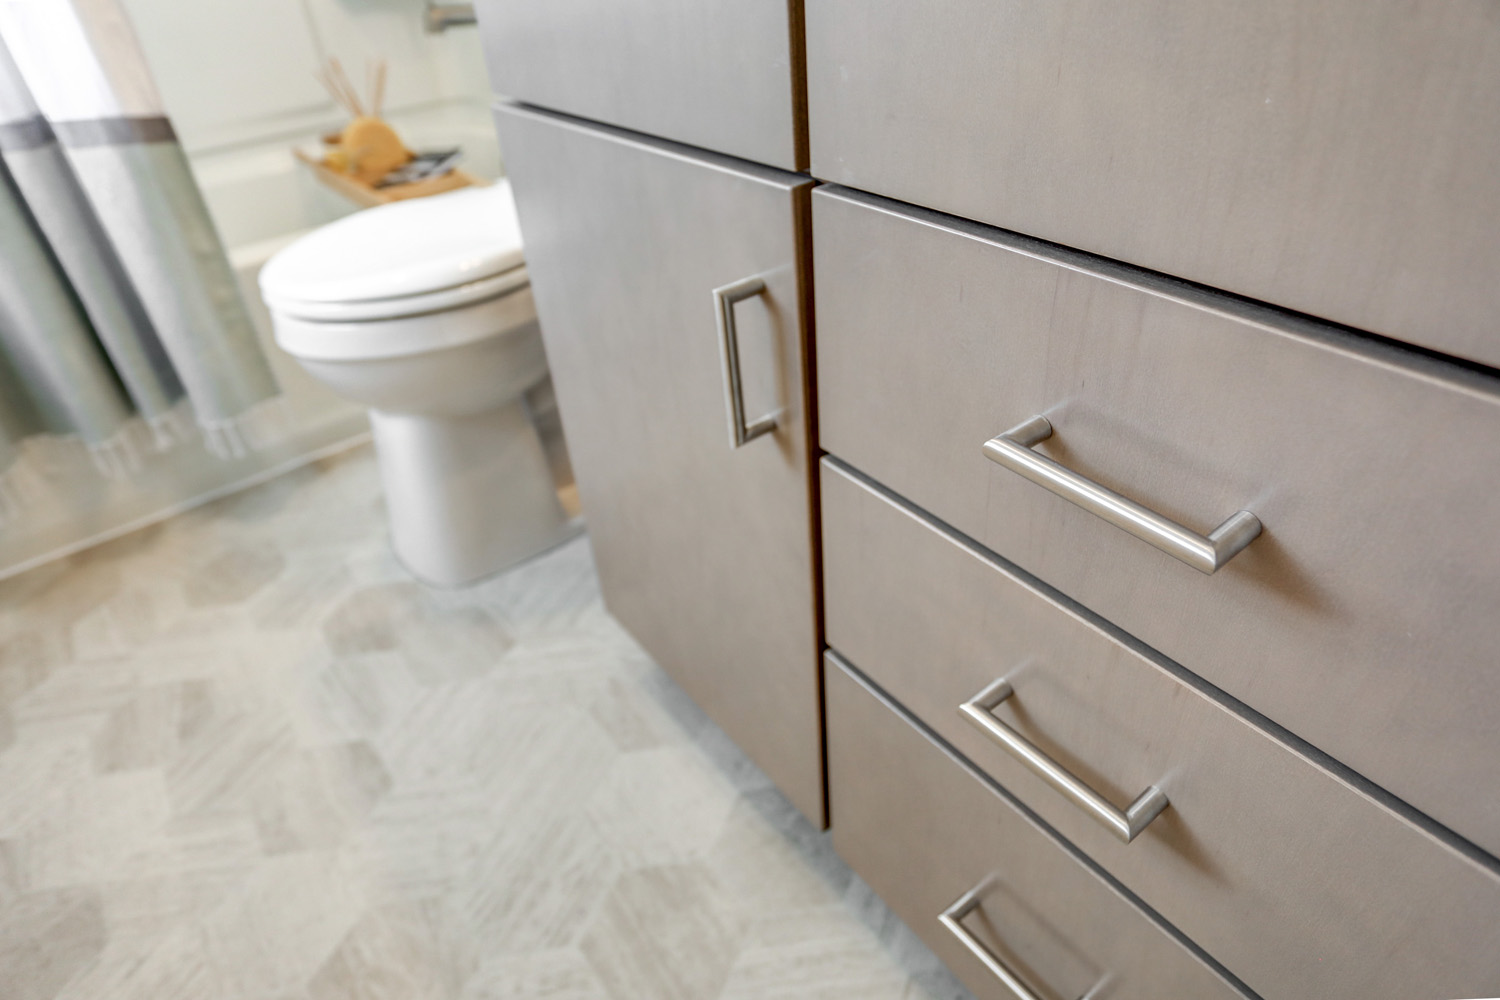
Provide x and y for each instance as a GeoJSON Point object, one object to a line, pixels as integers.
{"type": "Point", "coordinates": [419, 275]}
{"type": "Point", "coordinates": [403, 249]}
{"type": "Point", "coordinates": [396, 306]}
{"type": "Point", "coordinates": [393, 337]}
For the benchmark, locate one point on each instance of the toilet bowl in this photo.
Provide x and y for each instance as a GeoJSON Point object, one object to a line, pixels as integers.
{"type": "Point", "coordinates": [421, 310]}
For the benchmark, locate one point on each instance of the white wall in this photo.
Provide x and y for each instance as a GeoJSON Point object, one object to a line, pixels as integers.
{"type": "Point", "coordinates": [239, 71]}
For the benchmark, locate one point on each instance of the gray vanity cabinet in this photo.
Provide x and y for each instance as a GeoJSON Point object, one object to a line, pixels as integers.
{"type": "Point", "coordinates": [671, 294]}
{"type": "Point", "coordinates": [1083, 741]}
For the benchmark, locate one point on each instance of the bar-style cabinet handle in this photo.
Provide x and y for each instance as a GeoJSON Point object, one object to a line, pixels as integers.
{"type": "Point", "coordinates": [725, 297]}
{"type": "Point", "coordinates": [952, 920]}
{"type": "Point", "coordinates": [1013, 449]}
{"type": "Point", "coordinates": [1127, 824]}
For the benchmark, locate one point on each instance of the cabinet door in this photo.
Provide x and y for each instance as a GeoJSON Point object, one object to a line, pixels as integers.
{"type": "Point", "coordinates": [722, 74]}
{"type": "Point", "coordinates": [704, 548]}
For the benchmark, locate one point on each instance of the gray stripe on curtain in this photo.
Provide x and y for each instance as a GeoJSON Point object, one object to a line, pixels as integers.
{"type": "Point", "coordinates": [65, 386]}
{"type": "Point", "coordinates": [145, 197]}
{"type": "Point", "coordinates": [27, 134]}
{"type": "Point", "coordinates": [114, 131]}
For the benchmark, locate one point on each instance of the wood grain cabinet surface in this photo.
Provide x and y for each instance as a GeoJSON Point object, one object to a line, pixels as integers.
{"type": "Point", "coordinates": [1220, 203]}
{"type": "Point", "coordinates": [1362, 619]}
{"type": "Point", "coordinates": [923, 831]}
{"type": "Point", "coordinates": [1298, 881]}
{"type": "Point", "coordinates": [704, 550]}
{"type": "Point", "coordinates": [1338, 158]}
{"type": "Point", "coordinates": [725, 75]}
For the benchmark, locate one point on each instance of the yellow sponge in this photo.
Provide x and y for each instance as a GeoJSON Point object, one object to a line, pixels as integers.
{"type": "Point", "coordinates": [370, 149]}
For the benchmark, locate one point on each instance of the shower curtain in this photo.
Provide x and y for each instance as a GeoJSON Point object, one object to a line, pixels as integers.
{"type": "Point", "coordinates": [117, 301]}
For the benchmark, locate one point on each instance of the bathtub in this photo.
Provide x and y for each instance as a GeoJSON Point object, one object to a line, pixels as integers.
{"type": "Point", "coordinates": [261, 199]}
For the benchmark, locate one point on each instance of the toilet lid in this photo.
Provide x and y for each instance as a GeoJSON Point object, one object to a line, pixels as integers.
{"type": "Point", "coordinates": [408, 248]}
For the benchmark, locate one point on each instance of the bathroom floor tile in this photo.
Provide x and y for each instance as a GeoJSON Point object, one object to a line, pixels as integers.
{"type": "Point", "coordinates": [244, 757]}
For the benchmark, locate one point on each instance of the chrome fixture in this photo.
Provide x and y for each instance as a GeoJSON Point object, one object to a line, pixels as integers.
{"type": "Point", "coordinates": [1125, 824]}
{"type": "Point", "coordinates": [740, 432]}
{"type": "Point", "coordinates": [952, 920]}
{"type": "Point", "coordinates": [442, 16]}
{"type": "Point", "coordinates": [1013, 450]}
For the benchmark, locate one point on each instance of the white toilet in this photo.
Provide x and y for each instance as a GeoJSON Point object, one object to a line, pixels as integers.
{"type": "Point", "coordinates": [422, 311]}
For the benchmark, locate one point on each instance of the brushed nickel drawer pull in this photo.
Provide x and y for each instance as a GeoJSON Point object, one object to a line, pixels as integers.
{"type": "Point", "coordinates": [952, 919]}
{"type": "Point", "coordinates": [1126, 825]}
{"type": "Point", "coordinates": [725, 297]}
{"type": "Point", "coordinates": [1013, 449]}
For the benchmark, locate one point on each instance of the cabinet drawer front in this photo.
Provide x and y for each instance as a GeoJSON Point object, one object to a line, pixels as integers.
{"type": "Point", "coordinates": [923, 831]}
{"type": "Point", "coordinates": [704, 549]}
{"type": "Point", "coordinates": [1261, 856]}
{"type": "Point", "coordinates": [1335, 158]}
{"type": "Point", "coordinates": [721, 74]}
{"type": "Point", "coordinates": [1362, 619]}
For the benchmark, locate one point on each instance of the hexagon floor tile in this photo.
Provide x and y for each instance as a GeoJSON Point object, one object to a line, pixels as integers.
{"type": "Point", "coordinates": [244, 757]}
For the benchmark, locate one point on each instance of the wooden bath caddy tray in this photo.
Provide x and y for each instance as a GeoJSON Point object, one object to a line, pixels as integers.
{"type": "Point", "coordinates": [364, 195]}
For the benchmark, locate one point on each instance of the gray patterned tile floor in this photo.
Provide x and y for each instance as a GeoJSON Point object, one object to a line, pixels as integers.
{"type": "Point", "coordinates": [244, 757]}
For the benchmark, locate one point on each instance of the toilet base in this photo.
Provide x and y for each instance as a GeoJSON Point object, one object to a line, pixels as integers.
{"type": "Point", "coordinates": [467, 496]}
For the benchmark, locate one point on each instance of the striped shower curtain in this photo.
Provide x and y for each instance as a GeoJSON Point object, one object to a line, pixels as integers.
{"type": "Point", "coordinates": [119, 312]}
